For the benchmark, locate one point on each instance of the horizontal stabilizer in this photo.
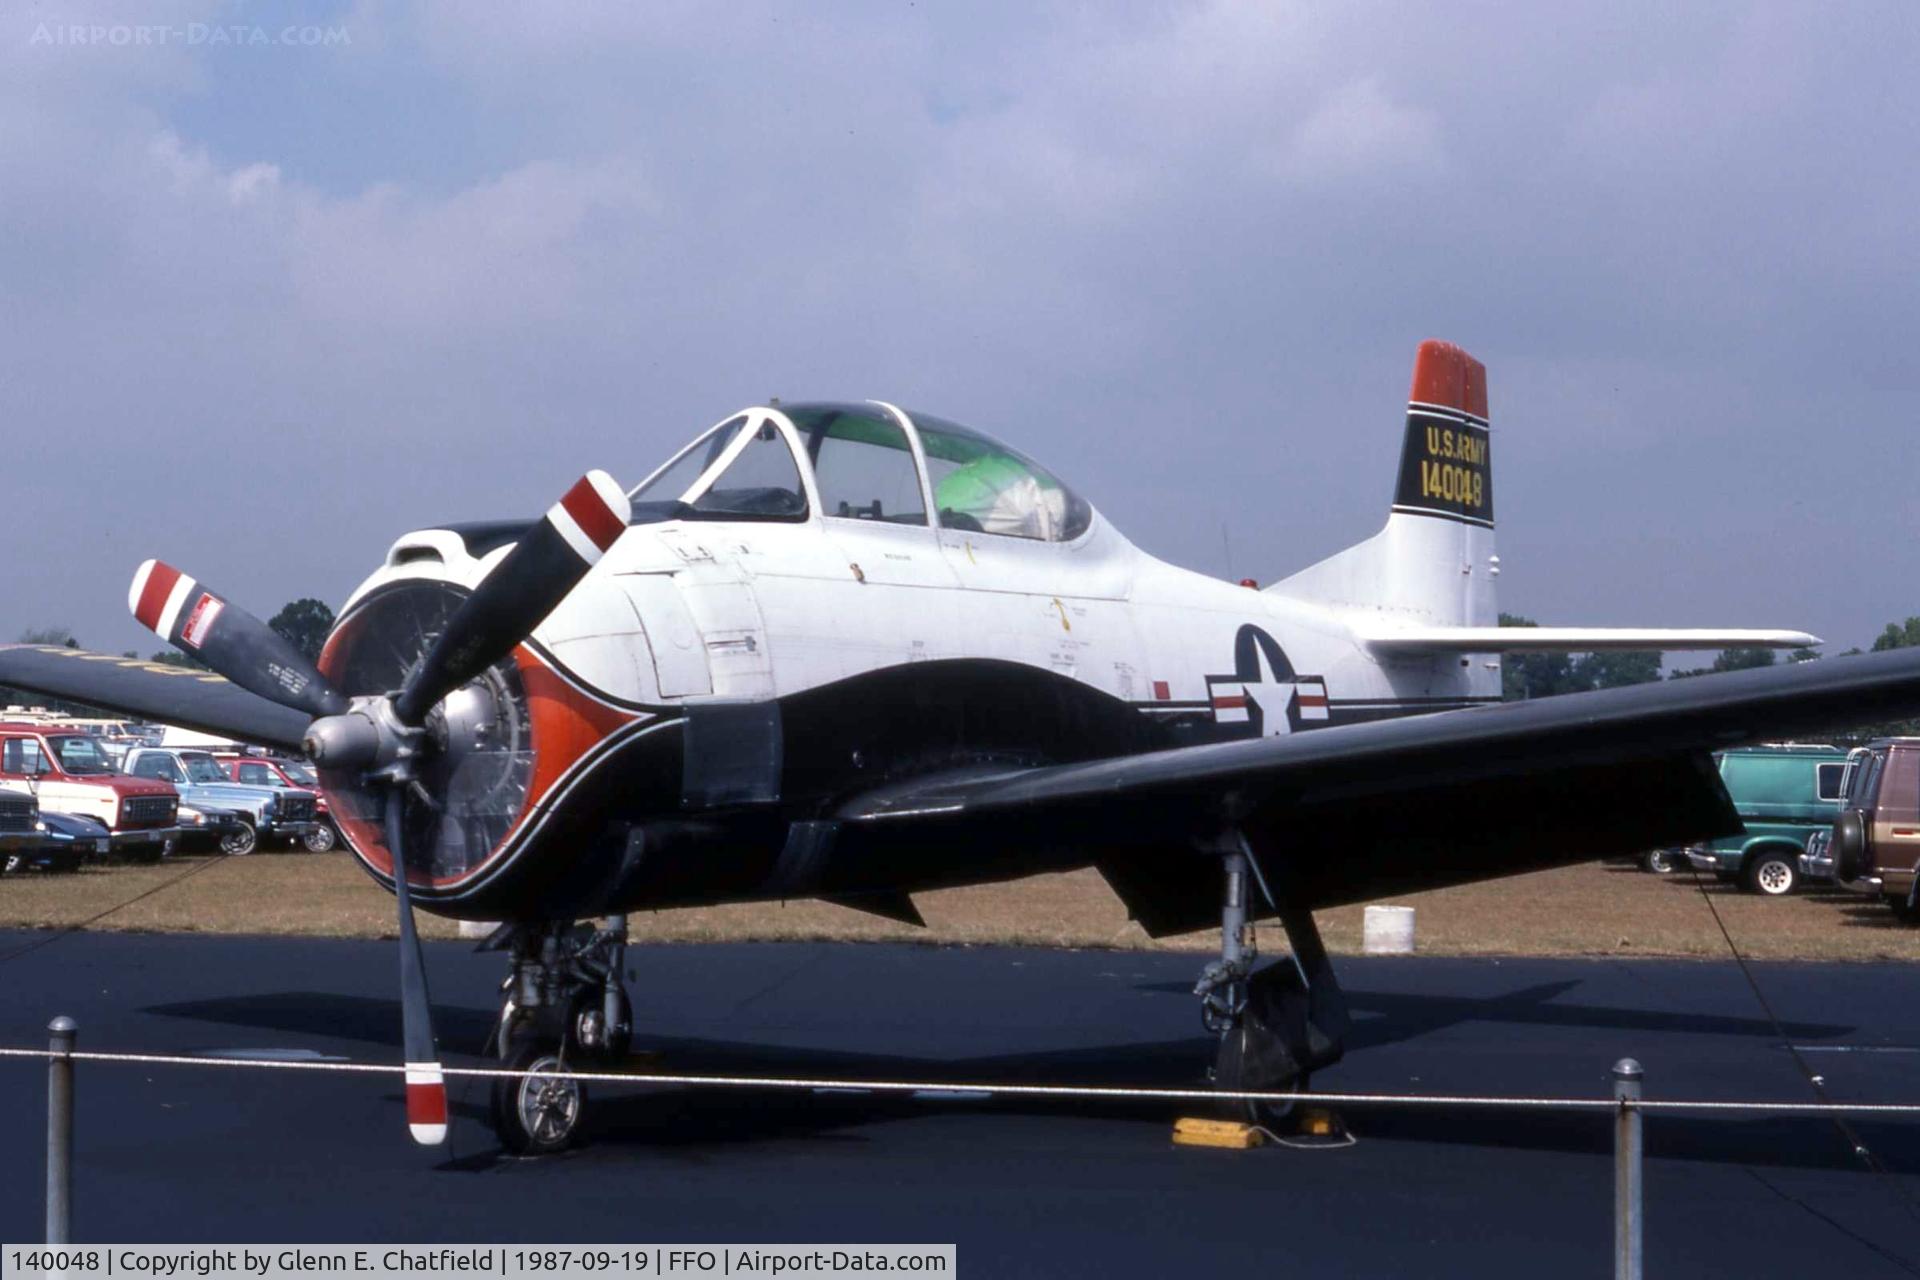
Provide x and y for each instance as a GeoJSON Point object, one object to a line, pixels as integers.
{"type": "Point", "coordinates": [1414, 640]}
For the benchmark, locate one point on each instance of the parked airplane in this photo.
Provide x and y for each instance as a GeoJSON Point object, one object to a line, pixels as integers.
{"type": "Point", "coordinates": [852, 652]}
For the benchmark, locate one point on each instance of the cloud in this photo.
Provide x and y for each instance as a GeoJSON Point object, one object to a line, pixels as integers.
{"type": "Point", "coordinates": [1358, 132]}
{"type": "Point", "coordinates": [1180, 252]}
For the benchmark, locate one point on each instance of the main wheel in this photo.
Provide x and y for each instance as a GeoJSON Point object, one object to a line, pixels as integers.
{"type": "Point", "coordinates": [1772, 873]}
{"type": "Point", "coordinates": [1231, 1075]}
{"type": "Point", "coordinates": [536, 1114]}
{"type": "Point", "coordinates": [239, 841]}
{"type": "Point", "coordinates": [1658, 861]}
{"type": "Point", "coordinates": [318, 839]}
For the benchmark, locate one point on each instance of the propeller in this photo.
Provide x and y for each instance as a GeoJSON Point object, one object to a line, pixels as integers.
{"type": "Point", "coordinates": [228, 639]}
{"type": "Point", "coordinates": [544, 565]}
{"type": "Point", "coordinates": [384, 736]}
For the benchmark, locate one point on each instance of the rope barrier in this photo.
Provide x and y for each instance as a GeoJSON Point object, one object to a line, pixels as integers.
{"type": "Point", "coordinates": [1118, 1092]}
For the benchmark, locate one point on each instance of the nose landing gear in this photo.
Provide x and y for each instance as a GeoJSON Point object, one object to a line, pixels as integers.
{"type": "Point", "coordinates": [563, 1009]}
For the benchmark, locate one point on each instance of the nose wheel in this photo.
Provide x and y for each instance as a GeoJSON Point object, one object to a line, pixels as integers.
{"type": "Point", "coordinates": [563, 1009]}
{"type": "Point", "coordinates": [538, 1113]}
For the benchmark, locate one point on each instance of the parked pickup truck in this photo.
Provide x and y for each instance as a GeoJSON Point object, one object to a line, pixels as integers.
{"type": "Point", "coordinates": [273, 771]}
{"type": "Point", "coordinates": [270, 813]}
{"type": "Point", "coordinates": [68, 773]}
{"type": "Point", "coordinates": [1783, 794]}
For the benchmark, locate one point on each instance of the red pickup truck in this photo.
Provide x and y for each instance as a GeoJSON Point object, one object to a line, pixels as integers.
{"type": "Point", "coordinates": [70, 773]}
{"type": "Point", "coordinates": [272, 771]}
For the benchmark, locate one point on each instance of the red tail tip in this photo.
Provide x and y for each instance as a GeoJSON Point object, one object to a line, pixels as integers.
{"type": "Point", "coordinates": [1445, 375]}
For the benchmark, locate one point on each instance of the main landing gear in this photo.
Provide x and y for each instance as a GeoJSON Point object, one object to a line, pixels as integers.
{"type": "Point", "coordinates": [1276, 1025]}
{"type": "Point", "coordinates": [563, 1009]}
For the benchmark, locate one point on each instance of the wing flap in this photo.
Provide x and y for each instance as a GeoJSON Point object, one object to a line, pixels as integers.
{"type": "Point", "coordinates": [190, 698]}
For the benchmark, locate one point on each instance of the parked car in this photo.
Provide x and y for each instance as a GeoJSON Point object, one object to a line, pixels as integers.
{"type": "Point", "coordinates": [1875, 842]}
{"type": "Point", "coordinates": [1783, 795]}
{"type": "Point", "coordinates": [69, 842]}
{"type": "Point", "coordinates": [21, 831]}
{"type": "Point", "coordinates": [204, 829]}
{"type": "Point", "coordinates": [66, 772]}
{"type": "Point", "coordinates": [1816, 862]}
{"type": "Point", "coordinates": [270, 813]}
{"type": "Point", "coordinates": [276, 771]}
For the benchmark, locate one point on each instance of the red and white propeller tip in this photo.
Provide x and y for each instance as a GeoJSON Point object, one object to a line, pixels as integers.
{"type": "Point", "coordinates": [591, 516]}
{"type": "Point", "coordinates": [160, 595]}
{"type": "Point", "coordinates": [426, 1103]}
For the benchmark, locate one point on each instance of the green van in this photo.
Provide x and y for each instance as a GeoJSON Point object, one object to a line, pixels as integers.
{"type": "Point", "coordinates": [1784, 794]}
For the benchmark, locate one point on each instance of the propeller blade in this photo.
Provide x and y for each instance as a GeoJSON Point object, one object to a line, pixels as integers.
{"type": "Point", "coordinates": [547, 563]}
{"type": "Point", "coordinates": [229, 640]}
{"type": "Point", "coordinates": [426, 1086]}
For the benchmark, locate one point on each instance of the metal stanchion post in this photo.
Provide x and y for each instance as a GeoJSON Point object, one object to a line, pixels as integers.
{"type": "Point", "coordinates": [1627, 1198]}
{"type": "Point", "coordinates": [60, 1131]}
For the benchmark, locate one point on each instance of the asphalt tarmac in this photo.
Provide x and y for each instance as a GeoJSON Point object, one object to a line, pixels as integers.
{"type": "Point", "coordinates": [1023, 1187]}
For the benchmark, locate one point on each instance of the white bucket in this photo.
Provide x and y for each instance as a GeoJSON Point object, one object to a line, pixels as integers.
{"type": "Point", "coordinates": [1387, 931]}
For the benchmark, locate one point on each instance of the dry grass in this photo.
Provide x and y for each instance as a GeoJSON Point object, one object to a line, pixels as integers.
{"type": "Point", "coordinates": [1593, 909]}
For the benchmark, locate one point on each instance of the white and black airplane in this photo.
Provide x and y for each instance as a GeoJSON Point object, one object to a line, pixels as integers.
{"type": "Point", "coordinates": [853, 652]}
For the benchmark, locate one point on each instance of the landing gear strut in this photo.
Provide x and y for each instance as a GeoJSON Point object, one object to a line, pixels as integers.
{"type": "Point", "coordinates": [563, 1008]}
{"type": "Point", "coordinates": [1276, 1025]}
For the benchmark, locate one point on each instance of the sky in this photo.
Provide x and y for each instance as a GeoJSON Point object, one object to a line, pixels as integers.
{"type": "Point", "coordinates": [279, 283]}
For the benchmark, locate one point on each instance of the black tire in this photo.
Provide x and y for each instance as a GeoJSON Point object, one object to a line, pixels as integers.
{"type": "Point", "coordinates": [144, 854]}
{"type": "Point", "coordinates": [238, 843]}
{"type": "Point", "coordinates": [1229, 1076]}
{"type": "Point", "coordinates": [320, 839]}
{"type": "Point", "coordinates": [1772, 873]}
{"type": "Point", "coordinates": [1660, 862]}
{"type": "Point", "coordinates": [531, 1116]}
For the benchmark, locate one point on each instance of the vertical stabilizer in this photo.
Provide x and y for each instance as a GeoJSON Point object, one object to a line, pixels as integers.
{"type": "Point", "coordinates": [1433, 563]}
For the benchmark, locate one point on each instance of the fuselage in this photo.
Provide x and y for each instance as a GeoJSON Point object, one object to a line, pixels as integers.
{"type": "Point", "coordinates": [716, 681]}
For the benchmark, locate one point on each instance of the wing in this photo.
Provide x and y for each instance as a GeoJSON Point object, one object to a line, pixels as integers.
{"type": "Point", "coordinates": [1413, 640]}
{"type": "Point", "coordinates": [1356, 812]}
{"type": "Point", "coordinates": [190, 698]}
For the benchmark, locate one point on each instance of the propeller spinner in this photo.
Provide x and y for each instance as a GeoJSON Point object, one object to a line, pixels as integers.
{"type": "Point", "coordinates": [384, 735]}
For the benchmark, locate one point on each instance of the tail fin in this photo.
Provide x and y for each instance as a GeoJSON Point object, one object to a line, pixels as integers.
{"type": "Point", "coordinates": [1433, 564]}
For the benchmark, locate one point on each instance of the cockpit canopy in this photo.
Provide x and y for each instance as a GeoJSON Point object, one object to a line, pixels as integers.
{"type": "Point", "coordinates": [862, 462]}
